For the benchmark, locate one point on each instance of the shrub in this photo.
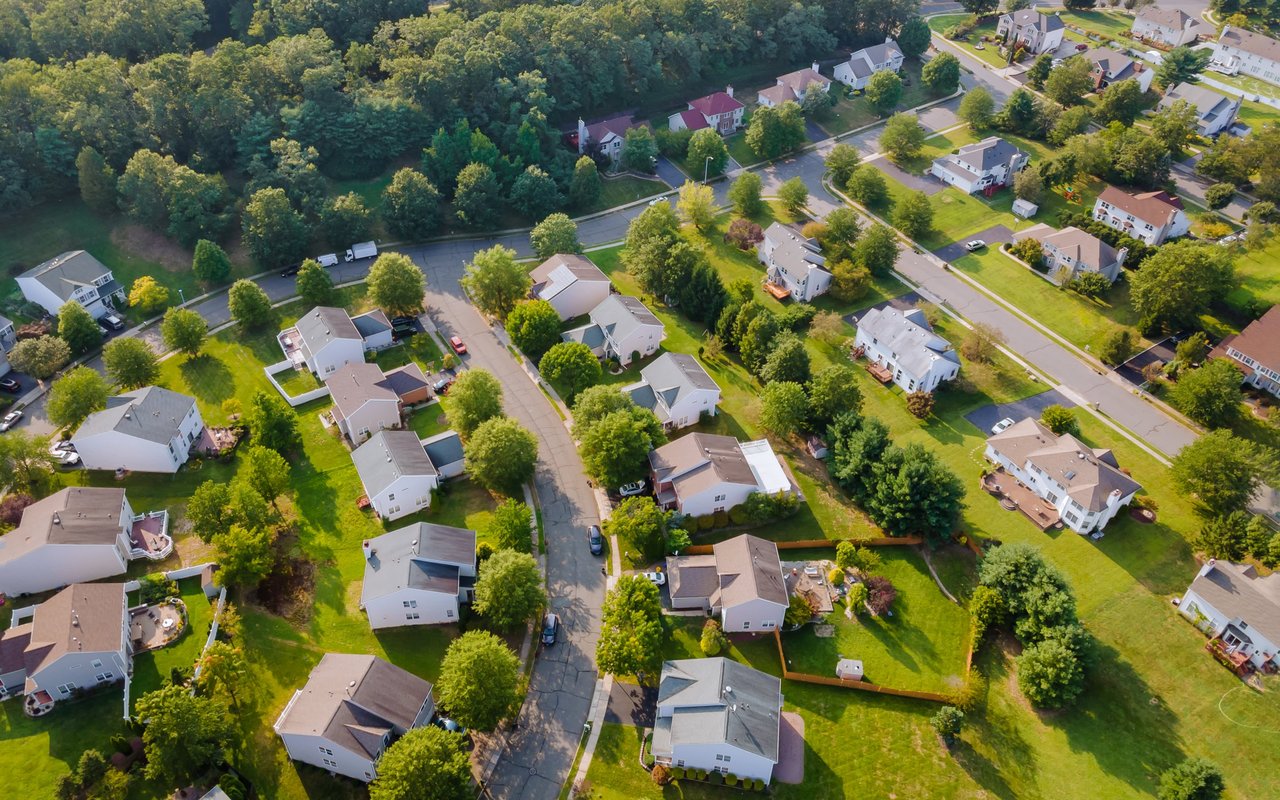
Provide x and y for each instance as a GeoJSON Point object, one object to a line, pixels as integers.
{"type": "Point", "coordinates": [713, 638]}
{"type": "Point", "coordinates": [796, 316]}
{"type": "Point", "coordinates": [720, 519]}
{"type": "Point", "coordinates": [715, 779]}
{"type": "Point", "coordinates": [661, 775]}
{"type": "Point", "coordinates": [706, 522]}
{"type": "Point", "coordinates": [483, 551]}
{"type": "Point", "coordinates": [12, 506]}
{"type": "Point", "coordinates": [947, 723]}
{"type": "Point", "coordinates": [120, 743]}
{"type": "Point", "coordinates": [920, 404]}
{"type": "Point", "coordinates": [156, 587]}
{"type": "Point", "coordinates": [677, 773]}
{"type": "Point", "coordinates": [798, 612]}
{"type": "Point", "coordinates": [648, 759]}
{"type": "Point", "coordinates": [730, 780]}
{"type": "Point", "coordinates": [702, 774]}
{"type": "Point", "coordinates": [836, 577]}
{"type": "Point", "coordinates": [1029, 250]}
{"type": "Point", "coordinates": [737, 515]}
{"type": "Point", "coordinates": [880, 594]}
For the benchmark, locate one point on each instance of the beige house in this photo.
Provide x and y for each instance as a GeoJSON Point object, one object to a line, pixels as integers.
{"type": "Point", "coordinates": [702, 473]}
{"type": "Point", "coordinates": [1076, 252]}
{"type": "Point", "coordinates": [1150, 217]}
{"type": "Point", "coordinates": [791, 87]}
{"type": "Point", "coordinates": [741, 582]}
{"type": "Point", "coordinates": [1170, 27]}
{"type": "Point", "coordinates": [362, 402]}
{"type": "Point", "coordinates": [81, 533]}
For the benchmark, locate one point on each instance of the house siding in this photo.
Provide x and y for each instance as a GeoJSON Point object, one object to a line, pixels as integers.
{"type": "Point", "coordinates": [333, 356]}
{"type": "Point", "coordinates": [1043, 486]}
{"type": "Point", "coordinates": [368, 419]}
{"type": "Point", "coordinates": [114, 450]}
{"type": "Point", "coordinates": [740, 763]}
{"type": "Point", "coordinates": [705, 502]}
{"type": "Point", "coordinates": [56, 565]}
{"type": "Point", "coordinates": [579, 298]}
{"type": "Point", "coordinates": [1217, 621]}
{"type": "Point", "coordinates": [306, 749]}
{"type": "Point", "coordinates": [753, 615]}
{"type": "Point", "coordinates": [411, 493]}
{"type": "Point", "coordinates": [689, 410]}
{"type": "Point", "coordinates": [432, 608]}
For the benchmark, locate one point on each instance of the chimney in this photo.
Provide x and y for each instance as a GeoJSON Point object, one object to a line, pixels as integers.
{"type": "Point", "coordinates": [582, 136]}
{"type": "Point", "coordinates": [368, 550]}
{"type": "Point", "coordinates": [1207, 568]}
{"type": "Point", "coordinates": [815, 68]}
{"type": "Point", "coordinates": [728, 90]}
{"type": "Point", "coordinates": [1121, 255]}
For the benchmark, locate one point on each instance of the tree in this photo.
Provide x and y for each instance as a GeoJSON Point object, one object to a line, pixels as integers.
{"type": "Point", "coordinates": [207, 510]}
{"type": "Point", "coordinates": [1211, 394]}
{"type": "Point", "coordinates": [570, 366]}
{"type": "Point", "coordinates": [245, 556]}
{"type": "Point", "coordinates": [1181, 65]}
{"type": "Point", "coordinates": [26, 465]}
{"type": "Point", "coordinates": [427, 763]}
{"type": "Point", "coordinates": [266, 471]}
{"type": "Point", "coordinates": [595, 404]}
{"type": "Point", "coordinates": [615, 449]}
{"type": "Point", "coordinates": [713, 639]}
{"type": "Point", "coordinates": [534, 193]}
{"type": "Point", "coordinates": [877, 250]}
{"type": "Point", "coordinates": [914, 215]}
{"type": "Point", "coordinates": [639, 149]}
{"type": "Point", "coordinates": [920, 404]}
{"type": "Point", "coordinates": [775, 131]}
{"type": "Point", "coordinates": [130, 363]}
{"type": "Point", "coordinates": [787, 360]}
{"type": "Point", "coordinates": [784, 408]}
{"type": "Point", "coordinates": [509, 589]}
{"type": "Point", "coordinates": [97, 181]}
{"type": "Point", "coordinates": [585, 186]}
{"type": "Point", "coordinates": [1070, 122]}
{"type": "Point", "coordinates": [743, 234]}
{"type": "Point", "coordinates": [697, 203]}
{"type": "Point", "coordinates": [346, 219]}
{"type": "Point", "coordinates": [148, 296]}
{"type": "Point", "coordinates": [1050, 674]}
{"type": "Point", "coordinates": [756, 341]}
{"type": "Point", "coordinates": [273, 230]}
{"type": "Point", "coordinates": [76, 395]}
{"type": "Point", "coordinates": [396, 284]}
{"type": "Point", "coordinates": [794, 195]}
{"type": "Point", "coordinates": [501, 455]}
{"type": "Point", "coordinates": [184, 734]}
{"type": "Point", "coordinates": [1219, 195]}
{"type": "Point", "coordinates": [631, 632]}
{"type": "Point", "coordinates": [210, 263]}
{"type": "Point", "coordinates": [249, 304]}
{"type": "Point", "coordinates": [1175, 127]}
{"type": "Point", "coordinates": [1221, 470]}
{"type": "Point", "coordinates": [817, 101]}
{"type": "Point", "coordinates": [555, 234]}
{"type": "Point", "coordinates": [534, 327]}
{"type": "Point", "coordinates": [884, 90]}
{"type": "Point", "coordinates": [843, 160]}
{"type": "Point", "coordinates": [1022, 113]}
{"type": "Point", "coordinates": [475, 397]}
{"type": "Point", "coordinates": [977, 108]}
{"type": "Point", "coordinates": [915, 493]}
{"type": "Point", "coordinates": [798, 612]}
{"type": "Point", "coordinates": [981, 342]}
{"type": "Point", "coordinates": [947, 723]}
{"type": "Point", "coordinates": [314, 284]}
{"type": "Point", "coordinates": [184, 330]}
{"type": "Point", "coordinates": [1224, 537]}
{"type": "Point", "coordinates": [639, 523]}
{"type": "Point", "coordinates": [1117, 347]}
{"type": "Point", "coordinates": [78, 328]}
{"type": "Point", "coordinates": [479, 679]}
{"type": "Point", "coordinates": [1193, 349]}
{"type": "Point", "coordinates": [1029, 186]}
{"type": "Point", "coordinates": [744, 194]}
{"type": "Point", "coordinates": [1039, 70]}
{"type": "Point", "coordinates": [1179, 281]}
{"type": "Point", "coordinates": [707, 150]}
{"type": "Point", "coordinates": [40, 357]}
{"type": "Point", "coordinates": [841, 234]}
{"type": "Point", "coordinates": [478, 197]}
{"type": "Point", "coordinates": [980, 7]}
{"type": "Point", "coordinates": [942, 74]}
{"type": "Point", "coordinates": [272, 422]}
{"type": "Point", "coordinates": [833, 390]}
{"type": "Point", "coordinates": [223, 670]}
{"type": "Point", "coordinates": [510, 526]}
{"type": "Point", "coordinates": [1060, 420]}
{"type": "Point", "coordinates": [913, 37]}
{"type": "Point", "coordinates": [1069, 82]}
{"type": "Point", "coordinates": [495, 281]}
{"type": "Point", "coordinates": [867, 186]}
{"type": "Point", "coordinates": [1119, 102]}
{"type": "Point", "coordinates": [1193, 779]}
{"type": "Point", "coordinates": [849, 280]}
{"type": "Point", "coordinates": [902, 137]}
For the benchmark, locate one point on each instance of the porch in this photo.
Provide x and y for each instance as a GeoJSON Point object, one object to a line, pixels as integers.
{"type": "Point", "coordinates": [149, 536]}
{"type": "Point", "coordinates": [291, 345]}
{"type": "Point", "coordinates": [776, 290]}
{"type": "Point", "coordinates": [153, 627]}
{"type": "Point", "coordinates": [1233, 657]}
{"type": "Point", "coordinates": [1016, 496]}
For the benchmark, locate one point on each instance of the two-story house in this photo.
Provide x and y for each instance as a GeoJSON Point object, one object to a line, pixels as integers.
{"type": "Point", "coordinates": [740, 581]}
{"type": "Point", "coordinates": [1215, 112]}
{"type": "Point", "coordinates": [363, 403]}
{"type": "Point", "coordinates": [74, 275]}
{"type": "Point", "coordinates": [80, 533]}
{"type": "Point", "coordinates": [1111, 66]}
{"type": "Point", "coordinates": [1071, 252]}
{"type": "Point", "coordinates": [605, 137]}
{"type": "Point", "coordinates": [417, 575]}
{"type": "Point", "coordinates": [1151, 217]}
{"type": "Point", "coordinates": [984, 166]}
{"type": "Point", "coordinates": [702, 473]}
{"type": "Point", "coordinates": [794, 265]}
{"type": "Point", "coordinates": [1256, 350]}
{"type": "Point", "coordinates": [676, 389]}
{"type": "Point", "coordinates": [396, 472]}
{"type": "Point", "coordinates": [1035, 32]}
{"type": "Point", "coordinates": [1170, 27]}
{"type": "Point", "coordinates": [325, 339]}
{"type": "Point", "coordinates": [621, 327]}
{"type": "Point", "coordinates": [1244, 52]}
{"type": "Point", "coordinates": [572, 284]}
{"type": "Point", "coordinates": [147, 430]}
{"type": "Point", "coordinates": [857, 71]}
{"type": "Point", "coordinates": [791, 87]}
{"type": "Point", "coordinates": [902, 347]}
{"type": "Point", "coordinates": [719, 111]}
{"type": "Point", "coordinates": [1234, 604]}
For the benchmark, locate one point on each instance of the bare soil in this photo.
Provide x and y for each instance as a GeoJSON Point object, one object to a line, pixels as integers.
{"type": "Point", "coordinates": [289, 591]}
{"type": "Point", "coordinates": [151, 246]}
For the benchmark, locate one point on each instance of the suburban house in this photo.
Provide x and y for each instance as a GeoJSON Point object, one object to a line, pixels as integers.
{"type": "Point", "coordinates": [76, 640]}
{"type": "Point", "coordinates": [1215, 112]}
{"type": "Point", "coordinates": [741, 582]}
{"type": "Point", "coordinates": [417, 575]}
{"type": "Point", "coordinates": [572, 284]}
{"type": "Point", "coordinates": [1084, 484]}
{"type": "Point", "coordinates": [74, 275]}
{"type": "Point", "coordinates": [605, 137]}
{"type": "Point", "coordinates": [409, 383]}
{"type": "Point", "coordinates": [1037, 33]}
{"type": "Point", "coordinates": [1110, 66]}
{"type": "Point", "coordinates": [147, 430]}
{"type": "Point", "coordinates": [676, 389]}
{"type": "Point", "coordinates": [362, 402]}
{"type": "Point", "coordinates": [794, 266]}
{"type": "Point", "coordinates": [397, 473]}
{"type": "Point", "coordinates": [445, 452]}
{"type": "Point", "coordinates": [8, 337]}
{"type": "Point", "coordinates": [620, 327]}
{"type": "Point", "coordinates": [1151, 217]}
{"type": "Point", "coordinates": [901, 347]}
{"type": "Point", "coordinates": [325, 338]}
{"type": "Point", "coordinates": [857, 71]}
{"type": "Point", "coordinates": [983, 166]}
{"type": "Point", "coordinates": [1233, 604]}
{"type": "Point", "coordinates": [702, 473]}
{"type": "Point", "coordinates": [80, 533]}
{"type": "Point", "coordinates": [1167, 26]}
{"type": "Point", "coordinates": [791, 87]}
{"type": "Point", "coordinates": [1256, 350]}
{"type": "Point", "coordinates": [1076, 252]}
{"type": "Point", "coordinates": [1240, 51]}
{"type": "Point", "coordinates": [717, 715]}
{"type": "Point", "coordinates": [719, 111]}
{"type": "Point", "coordinates": [349, 711]}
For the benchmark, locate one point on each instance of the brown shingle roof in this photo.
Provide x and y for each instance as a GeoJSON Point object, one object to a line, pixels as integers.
{"type": "Point", "coordinates": [701, 460]}
{"type": "Point", "coordinates": [1089, 475]}
{"type": "Point", "coordinates": [1154, 207]}
{"type": "Point", "coordinates": [356, 384]}
{"type": "Point", "coordinates": [1085, 248]}
{"type": "Point", "coordinates": [84, 617]}
{"type": "Point", "coordinates": [1260, 340]}
{"type": "Point", "coordinates": [76, 515]}
{"type": "Point", "coordinates": [1250, 42]}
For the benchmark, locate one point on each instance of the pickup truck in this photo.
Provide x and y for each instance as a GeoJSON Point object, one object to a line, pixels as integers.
{"type": "Point", "coordinates": [362, 250]}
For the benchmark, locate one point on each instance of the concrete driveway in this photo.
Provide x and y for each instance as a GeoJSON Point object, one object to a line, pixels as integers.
{"type": "Point", "coordinates": [986, 417]}
{"type": "Point", "coordinates": [1163, 350]}
{"type": "Point", "coordinates": [993, 236]}
{"type": "Point", "coordinates": [669, 173]}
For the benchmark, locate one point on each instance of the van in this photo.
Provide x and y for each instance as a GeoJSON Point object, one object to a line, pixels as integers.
{"type": "Point", "coordinates": [327, 260]}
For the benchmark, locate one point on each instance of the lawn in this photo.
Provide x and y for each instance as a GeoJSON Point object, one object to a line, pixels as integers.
{"type": "Point", "coordinates": [1259, 277]}
{"type": "Point", "coordinates": [990, 53]}
{"type": "Point", "coordinates": [623, 189]}
{"type": "Point", "coordinates": [297, 381]}
{"type": "Point", "coordinates": [1108, 24]}
{"type": "Point", "coordinates": [854, 112]}
{"type": "Point", "coordinates": [151, 670]}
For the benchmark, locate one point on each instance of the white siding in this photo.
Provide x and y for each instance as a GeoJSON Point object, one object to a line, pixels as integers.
{"type": "Point", "coordinates": [740, 763]}
{"type": "Point", "coordinates": [368, 419]}
{"type": "Point", "coordinates": [409, 494]}
{"type": "Point", "coordinates": [77, 669]}
{"type": "Point", "coordinates": [307, 749]}
{"type": "Point", "coordinates": [718, 498]}
{"type": "Point", "coordinates": [579, 298]}
{"type": "Point", "coordinates": [112, 450]}
{"type": "Point", "coordinates": [689, 410]}
{"type": "Point", "coordinates": [335, 355]}
{"type": "Point", "coordinates": [56, 565]}
{"type": "Point", "coordinates": [431, 608]}
{"type": "Point", "coordinates": [644, 340]}
{"type": "Point", "coordinates": [753, 615]}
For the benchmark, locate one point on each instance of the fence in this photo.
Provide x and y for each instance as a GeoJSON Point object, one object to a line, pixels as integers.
{"type": "Point", "coordinates": [864, 686]}
{"type": "Point", "coordinates": [213, 634]}
{"type": "Point", "coordinates": [809, 544]}
{"type": "Point", "coordinates": [292, 399]}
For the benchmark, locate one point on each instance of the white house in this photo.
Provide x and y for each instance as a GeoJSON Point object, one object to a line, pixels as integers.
{"type": "Point", "coordinates": [80, 533]}
{"type": "Point", "coordinates": [417, 575]}
{"type": "Point", "coordinates": [702, 473]}
{"type": "Point", "coordinates": [620, 327]}
{"type": "Point", "coordinates": [8, 337]}
{"type": "Point", "coordinates": [903, 348]}
{"type": "Point", "coordinates": [1075, 251]}
{"type": "Point", "coordinates": [74, 275]}
{"type": "Point", "coordinates": [1110, 66]}
{"type": "Point", "coordinates": [1215, 112]}
{"type": "Point", "coordinates": [857, 71]}
{"type": "Point", "coordinates": [741, 582]}
{"type": "Point", "coordinates": [1240, 51]}
{"type": "Point", "coordinates": [362, 402]}
{"type": "Point", "coordinates": [327, 339]}
{"type": "Point", "coordinates": [1151, 217]}
{"type": "Point", "coordinates": [397, 473]}
{"type": "Point", "coordinates": [571, 284]}
{"type": "Point", "coordinates": [720, 111]}
{"type": "Point", "coordinates": [147, 430]}
{"type": "Point", "coordinates": [1168, 26]}
{"type": "Point", "coordinates": [350, 710]}
{"type": "Point", "coordinates": [983, 166]}
{"type": "Point", "coordinates": [605, 137]}
{"type": "Point", "coordinates": [1233, 603]}
{"type": "Point", "coordinates": [676, 389]}
{"type": "Point", "coordinates": [717, 715]}
{"type": "Point", "coordinates": [791, 87]}
{"type": "Point", "coordinates": [76, 640]}
{"type": "Point", "coordinates": [1256, 350]}
{"type": "Point", "coordinates": [1084, 484]}
{"type": "Point", "coordinates": [794, 266]}
{"type": "Point", "coordinates": [1037, 33]}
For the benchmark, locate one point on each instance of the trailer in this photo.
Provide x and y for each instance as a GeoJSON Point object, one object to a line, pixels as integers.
{"type": "Point", "coordinates": [362, 250]}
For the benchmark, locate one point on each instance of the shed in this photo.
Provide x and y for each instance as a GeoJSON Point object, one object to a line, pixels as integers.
{"type": "Point", "coordinates": [1025, 208]}
{"type": "Point", "coordinates": [849, 669]}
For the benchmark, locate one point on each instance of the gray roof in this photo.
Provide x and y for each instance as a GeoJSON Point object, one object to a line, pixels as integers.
{"type": "Point", "coordinates": [1047, 23]}
{"type": "Point", "coordinates": [84, 617]}
{"type": "Point", "coordinates": [432, 577]}
{"type": "Point", "coordinates": [1237, 592]}
{"type": "Point", "coordinates": [1250, 42]}
{"type": "Point", "coordinates": [670, 376]}
{"type": "Point", "coordinates": [371, 323]}
{"type": "Point", "coordinates": [391, 564]}
{"type": "Point", "coordinates": [592, 335]}
{"type": "Point", "coordinates": [1104, 58]}
{"type": "Point", "coordinates": [1090, 475]}
{"type": "Point", "coordinates": [1086, 249]}
{"type": "Point", "coordinates": [988, 153]}
{"type": "Point", "coordinates": [643, 395]}
{"type": "Point", "coordinates": [444, 448]}
{"type": "Point", "coordinates": [63, 273]}
{"type": "Point", "coordinates": [692, 576]}
{"type": "Point", "coordinates": [388, 456]}
{"type": "Point", "coordinates": [151, 413]}
{"type": "Point", "coordinates": [323, 324]}
{"type": "Point", "coordinates": [792, 253]}
{"type": "Point", "coordinates": [619, 315]}
{"type": "Point", "coordinates": [1207, 103]}
{"type": "Point", "coordinates": [699, 461]}
{"type": "Point", "coordinates": [1173, 18]}
{"type": "Point", "coordinates": [358, 383]}
{"type": "Point", "coordinates": [5, 322]}
{"type": "Point", "coordinates": [719, 701]}
{"type": "Point", "coordinates": [575, 268]}
{"type": "Point", "coordinates": [75, 515]}
{"type": "Point", "coordinates": [877, 53]}
{"type": "Point", "coordinates": [908, 336]}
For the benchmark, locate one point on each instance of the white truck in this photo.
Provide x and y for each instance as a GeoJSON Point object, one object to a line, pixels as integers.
{"type": "Point", "coordinates": [362, 250]}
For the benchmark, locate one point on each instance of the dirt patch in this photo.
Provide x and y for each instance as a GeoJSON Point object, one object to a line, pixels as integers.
{"type": "Point", "coordinates": [289, 591]}
{"type": "Point", "coordinates": [152, 246]}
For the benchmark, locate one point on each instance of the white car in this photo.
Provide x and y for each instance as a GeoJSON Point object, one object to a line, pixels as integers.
{"type": "Point", "coordinates": [1002, 425]}
{"type": "Point", "coordinates": [974, 244]}
{"type": "Point", "coordinates": [68, 458]}
{"type": "Point", "coordinates": [60, 446]}
{"type": "Point", "coordinates": [10, 420]}
{"type": "Point", "coordinates": [631, 489]}
{"type": "Point", "coordinates": [656, 578]}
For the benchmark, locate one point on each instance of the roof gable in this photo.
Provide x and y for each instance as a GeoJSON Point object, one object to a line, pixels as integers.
{"type": "Point", "coordinates": [389, 456]}
{"type": "Point", "coordinates": [153, 414]}
{"type": "Point", "coordinates": [65, 272]}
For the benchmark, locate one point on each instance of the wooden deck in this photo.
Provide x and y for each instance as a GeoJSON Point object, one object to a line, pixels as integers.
{"type": "Point", "coordinates": [1012, 493]}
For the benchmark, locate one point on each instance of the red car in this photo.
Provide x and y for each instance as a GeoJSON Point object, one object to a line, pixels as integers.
{"type": "Point", "coordinates": [457, 345]}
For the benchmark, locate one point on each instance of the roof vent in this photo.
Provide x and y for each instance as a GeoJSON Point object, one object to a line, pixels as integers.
{"type": "Point", "coordinates": [57, 520]}
{"type": "Point", "coordinates": [1080, 456]}
{"type": "Point", "coordinates": [75, 619]}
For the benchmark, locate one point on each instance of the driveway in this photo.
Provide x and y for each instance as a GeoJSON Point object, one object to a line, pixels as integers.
{"type": "Point", "coordinates": [1163, 350]}
{"type": "Point", "coordinates": [630, 704]}
{"type": "Point", "coordinates": [993, 236]}
{"type": "Point", "coordinates": [670, 173]}
{"type": "Point", "coordinates": [985, 418]}
{"type": "Point", "coordinates": [921, 183]}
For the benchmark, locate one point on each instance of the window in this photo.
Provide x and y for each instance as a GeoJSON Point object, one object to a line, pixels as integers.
{"type": "Point", "coordinates": [329, 763]}
{"type": "Point", "coordinates": [410, 603]}
{"type": "Point", "coordinates": [411, 615]}
{"type": "Point", "coordinates": [391, 496]}
{"type": "Point", "coordinates": [719, 498]}
{"type": "Point", "coordinates": [746, 624]}
{"type": "Point", "coordinates": [103, 676]}
{"type": "Point", "coordinates": [96, 663]}
{"type": "Point", "coordinates": [1052, 498]}
{"type": "Point", "coordinates": [66, 688]}
{"type": "Point", "coordinates": [448, 612]}
{"type": "Point", "coordinates": [1072, 518]}
{"type": "Point", "coordinates": [324, 749]}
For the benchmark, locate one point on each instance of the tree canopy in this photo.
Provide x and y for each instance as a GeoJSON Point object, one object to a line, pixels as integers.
{"type": "Point", "coordinates": [396, 284]}
{"type": "Point", "coordinates": [427, 763]}
{"type": "Point", "coordinates": [478, 680]}
{"type": "Point", "coordinates": [501, 455]}
{"type": "Point", "coordinates": [631, 631]}
{"type": "Point", "coordinates": [509, 588]}
{"type": "Point", "coordinates": [495, 281]}
{"type": "Point", "coordinates": [76, 395]}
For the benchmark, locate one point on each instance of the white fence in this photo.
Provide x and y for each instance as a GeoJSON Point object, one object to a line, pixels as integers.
{"type": "Point", "coordinates": [291, 399]}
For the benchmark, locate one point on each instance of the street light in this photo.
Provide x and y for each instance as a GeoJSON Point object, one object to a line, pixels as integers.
{"type": "Point", "coordinates": [706, 164]}
{"type": "Point", "coordinates": [183, 296]}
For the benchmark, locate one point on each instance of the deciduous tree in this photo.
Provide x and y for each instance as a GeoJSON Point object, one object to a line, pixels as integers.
{"type": "Point", "coordinates": [981, 342]}
{"type": "Point", "coordinates": [476, 396]}
{"type": "Point", "coordinates": [744, 194]}
{"type": "Point", "coordinates": [1211, 394]}
{"type": "Point", "coordinates": [570, 366]}
{"type": "Point", "coordinates": [1192, 779]}
{"type": "Point", "coordinates": [273, 231]}
{"type": "Point", "coordinates": [97, 181]}
{"type": "Point", "coordinates": [867, 186]}
{"type": "Point", "coordinates": [245, 556]}
{"type": "Point", "coordinates": [40, 357]}
{"type": "Point", "coordinates": [427, 763]}
{"type": "Point", "coordinates": [794, 195]}
{"type": "Point", "coordinates": [534, 327]}
{"type": "Point", "coordinates": [913, 38]}
{"type": "Point", "coordinates": [396, 284]}
{"type": "Point", "coordinates": [902, 137]}
{"type": "Point", "coordinates": [411, 205]}
{"type": "Point", "coordinates": [501, 455]}
{"type": "Point", "coordinates": [555, 234]}
{"type": "Point", "coordinates": [314, 284]}
{"type": "Point", "coordinates": [833, 390]}
{"type": "Point", "coordinates": [478, 680]}
{"type": "Point", "coordinates": [914, 215]}
{"type": "Point", "coordinates": [478, 198]}
{"type": "Point", "coordinates": [148, 296]}
{"type": "Point", "coordinates": [775, 131]}
{"type": "Point", "coordinates": [130, 363]}
{"type": "Point", "coordinates": [707, 150]}
{"type": "Point", "coordinates": [509, 589]}
{"type": "Point", "coordinates": [183, 330]}
{"type": "Point", "coordinates": [184, 734]}
{"type": "Point", "coordinates": [639, 149]}
{"type": "Point", "coordinates": [534, 193]}
{"type": "Point", "coordinates": [511, 526]}
{"type": "Point", "coordinates": [223, 671]}
{"type": "Point", "coordinates": [1060, 420]}
{"type": "Point", "coordinates": [1050, 675]}
{"type": "Point", "coordinates": [249, 304]}
{"type": "Point", "coordinates": [631, 632]}
{"type": "Point", "coordinates": [346, 219]}
{"type": "Point", "coordinates": [584, 188]}
{"type": "Point", "coordinates": [942, 74]}
{"type": "Point", "coordinates": [76, 395]}
{"type": "Point", "coordinates": [210, 263]}
{"type": "Point", "coordinates": [783, 408]}
{"type": "Point", "coordinates": [1070, 81]}
{"type": "Point", "coordinates": [272, 422]}
{"type": "Point", "coordinates": [78, 328]}
{"type": "Point", "coordinates": [697, 204]}
{"type": "Point", "coordinates": [1222, 471]}
{"type": "Point", "coordinates": [977, 108]}
{"type": "Point", "coordinates": [615, 449]}
{"type": "Point", "coordinates": [639, 523]}
{"type": "Point", "coordinates": [1119, 102]}
{"type": "Point", "coordinates": [1179, 281]}
{"type": "Point", "coordinates": [495, 281]}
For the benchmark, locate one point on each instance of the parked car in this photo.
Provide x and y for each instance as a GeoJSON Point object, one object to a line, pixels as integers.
{"type": "Point", "coordinates": [550, 629]}
{"type": "Point", "coordinates": [442, 386]}
{"type": "Point", "coordinates": [111, 322]}
{"type": "Point", "coordinates": [974, 244]}
{"type": "Point", "coordinates": [656, 578]}
{"type": "Point", "coordinates": [1002, 425]}
{"type": "Point", "coordinates": [631, 489]}
{"type": "Point", "coordinates": [595, 540]}
{"type": "Point", "coordinates": [405, 320]}
{"type": "Point", "coordinates": [68, 458]}
{"type": "Point", "coordinates": [10, 385]}
{"type": "Point", "coordinates": [327, 260]}
{"type": "Point", "coordinates": [399, 332]}
{"type": "Point", "coordinates": [458, 346]}
{"type": "Point", "coordinates": [60, 446]}
{"type": "Point", "coordinates": [10, 420]}
{"type": "Point", "coordinates": [290, 270]}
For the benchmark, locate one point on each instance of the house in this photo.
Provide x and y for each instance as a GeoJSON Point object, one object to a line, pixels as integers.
{"type": "Point", "coordinates": [676, 389]}
{"type": "Point", "coordinates": [80, 533]}
{"type": "Point", "coordinates": [1084, 484]}
{"type": "Point", "coordinates": [741, 581]}
{"type": "Point", "coordinates": [1256, 349]}
{"type": "Point", "coordinates": [1167, 26]}
{"type": "Point", "coordinates": [1151, 217]}
{"type": "Point", "coordinates": [702, 473]}
{"type": "Point", "coordinates": [73, 275]}
{"type": "Point", "coordinates": [983, 166]}
{"type": "Point", "coordinates": [717, 715]}
{"type": "Point", "coordinates": [1215, 113]}
{"type": "Point", "coordinates": [417, 575]}
{"type": "Point", "coordinates": [791, 87]}
{"type": "Point", "coordinates": [1075, 251]}
{"type": "Point", "coordinates": [902, 348]}
{"type": "Point", "coordinates": [719, 111]}
{"type": "Point", "coordinates": [1234, 604]}
{"type": "Point", "coordinates": [362, 402]}
{"type": "Point", "coordinates": [857, 71]}
{"type": "Point", "coordinates": [327, 339]}
{"type": "Point", "coordinates": [571, 284]}
{"type": "Point", "coordinates": [409, 383]}
{"type": "Point", "coordinates": [8, 338]}
{"type": "Point", "coordinates": [76, 640]}
{"type": "Point", "coordinates": [1035, 32]}
{"type": "Point", "coordinates": [621, 327]}
{"type": "Point", "coordinates": [147, 430]}
{"type": "Point", "coordinates": [1240, 51]}
{"type": "Point", "coordinates": [349, 711]}
{"type": "Point", "coordinates": [445, 452]}
{"type": "Point", "coordinates": [605, 137]}
{"type": "Point", "coordinates": [396, 472]}
{"type": "Point", "coordinates": [794, 266]}
{"type": "Point", "coordinates": [1110, 66]}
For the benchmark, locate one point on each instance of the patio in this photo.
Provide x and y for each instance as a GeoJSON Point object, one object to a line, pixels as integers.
{"type": "Point", "coordinates": [149, 536]}
{"type": "Point", "coordinates": [153, 627]}
{"type": "Point", "coordinates": [808, 579]}
{"type": "Point", "coordinates": [290, 344]}
{"type": "Point", "coordinates": [214, 441]}
{"type": "Point", "coordinates": [1014, 495]}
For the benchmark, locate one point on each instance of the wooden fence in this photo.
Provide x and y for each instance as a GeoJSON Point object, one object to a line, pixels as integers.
{"type": "Point", "coordinates": [809, 544]}
{"type": "Point", "coordinates": [865, 686]}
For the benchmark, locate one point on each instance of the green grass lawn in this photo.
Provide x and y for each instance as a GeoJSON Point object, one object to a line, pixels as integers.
{"type": "Point", "coordinates": [1259, 274]}
{"type": "Point", "coordinates": [990, 52]}
{"type": "Point", "coordinates": [854, 112]}
{"type": "Point", "coordinates": [151, 669]}
{"type": "Point", "coordinates": [297, 381]}
{"type": "Point", "coordinates": [619, 191]}
{"type": "Point", "coordinates": [1110, 24]}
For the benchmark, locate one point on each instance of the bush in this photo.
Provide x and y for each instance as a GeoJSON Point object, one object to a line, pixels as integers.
{"type": "Point", "coordinates": [713, 639]}
{"type": "Point", "coordinates": [796, 317]}
{"type": "Point", "coordinates": [706, 522]}
{"type": "Point", "coordinates": [120, 743]}
{"type": "Point", "coordinates": [880, 594]}
{"type": "Point", "coordinates": [1219, 194]}
{"type": "Point", "coordinates": [920, 404]}
{"type": "Point", "coordinates": [661, 775]}
{"type": "Point", "coordinates": [1029, 250]}
{"type": "Point", "coordinates": [730, 780]}
{"type": "Point", "coordinates": [648, 759]}
{"type": "Point", "coordinates": [156, 587]}
{"type": "Point", "coordinates": [677, 773]}
{"type": "Point", "coordinates": [483, 551]}
{"type": "Point", "coordinates": [715, 779]}
{"type": "Point", "coordinates": [721, 519]}
{"type": "Point", "coordinates": [737, 515]}
{"type": "Point", "coordinates": [12, 506]}
{"type": "Point", "coordinates": [836, 577]}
